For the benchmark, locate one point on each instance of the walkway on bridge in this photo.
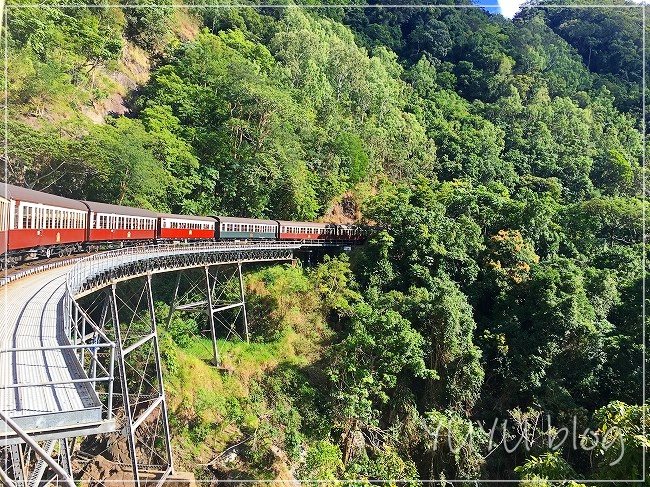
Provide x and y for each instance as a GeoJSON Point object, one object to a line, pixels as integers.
{"type": "Point", "coordinates": [31, 334]}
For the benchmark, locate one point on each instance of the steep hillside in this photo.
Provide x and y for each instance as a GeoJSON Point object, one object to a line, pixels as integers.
{"type": "Point", "coordinates": [501, 160]}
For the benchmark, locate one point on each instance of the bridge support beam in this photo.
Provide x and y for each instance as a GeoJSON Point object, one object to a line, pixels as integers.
{"type": "Point", "coordinates": [133, 324]}
{"type": "Point", "coordinates": [220, 290]}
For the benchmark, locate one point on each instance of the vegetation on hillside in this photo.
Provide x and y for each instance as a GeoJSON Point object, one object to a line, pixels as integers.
{"type": "Point", "coordinates": [501, 159]}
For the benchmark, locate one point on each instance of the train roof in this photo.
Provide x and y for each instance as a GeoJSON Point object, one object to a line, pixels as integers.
{"type": "Point", "coordinates": [187, 217]}
{"type": "Point", "coordinates": [306, 224]}
{"type": "Point", "coordinates": [234, 219]}
{"type": "Point", "coordinates": [9, 191]}
{"type": "Point", "coordinates": [119, 210]}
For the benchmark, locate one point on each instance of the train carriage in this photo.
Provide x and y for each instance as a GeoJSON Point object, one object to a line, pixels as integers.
{"type": "Point", "coordinates": [352, 233]}
{"type": "Point", "coordinates": [108, 223]}
{"type": "Point", "coordinates": [246, 228]}
{"type": "Point", "coordinates": [40, 222]}
{"type": "Point", "coordinates": [185, 227]}
{"type": "Point", "coordinates": [307, 231]}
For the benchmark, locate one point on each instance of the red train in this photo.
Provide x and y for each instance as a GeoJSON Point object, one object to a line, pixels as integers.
{"type": "Point", "coordinates": [41, 224]}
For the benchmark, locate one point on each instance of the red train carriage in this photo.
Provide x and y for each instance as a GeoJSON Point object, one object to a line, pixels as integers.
{"type": "Point", "coordinates": [307, 231]}
{"type": "Point", "coordinates": [108, 223]}
{"type": "Point", "coordinates": [41, 222]}
{"type": "Point", "coordinates": [184, 227]}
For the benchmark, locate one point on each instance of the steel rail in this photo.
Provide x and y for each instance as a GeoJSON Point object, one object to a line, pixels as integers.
{"type": "Point", "coordinates": [56, 382]}
{"type": "Point", "coordinates": [57, 347]}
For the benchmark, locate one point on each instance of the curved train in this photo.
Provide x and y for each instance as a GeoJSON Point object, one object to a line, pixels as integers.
{"type": "Point", "coordinates": [39, 224]}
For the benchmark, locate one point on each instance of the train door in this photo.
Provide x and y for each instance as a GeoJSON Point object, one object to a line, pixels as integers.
{"type": "Point", "coordinates": [4, 224]}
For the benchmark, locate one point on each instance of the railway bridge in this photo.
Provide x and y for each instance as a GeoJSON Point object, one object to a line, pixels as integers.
{"type": "Point", "coordinates": [79, 350]}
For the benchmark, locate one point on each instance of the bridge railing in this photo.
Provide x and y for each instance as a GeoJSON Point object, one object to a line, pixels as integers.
{"type": "Point", "coordinates": [169, 256]}
{"type": "Point", "coordinates": [94, 350]}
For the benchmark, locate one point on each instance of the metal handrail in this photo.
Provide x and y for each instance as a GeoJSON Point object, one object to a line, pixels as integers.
{"type": "Point", "coordinates": [38, 450]}
{"type": "Point", "coordinates": [92, 265]}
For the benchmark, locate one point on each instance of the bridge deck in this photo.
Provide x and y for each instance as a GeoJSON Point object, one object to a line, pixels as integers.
{"type": "Point", "coordinates": [31, 317]}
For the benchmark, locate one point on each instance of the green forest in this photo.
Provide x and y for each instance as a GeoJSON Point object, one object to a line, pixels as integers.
{"type": "Point", "coordinates": [497, 309]}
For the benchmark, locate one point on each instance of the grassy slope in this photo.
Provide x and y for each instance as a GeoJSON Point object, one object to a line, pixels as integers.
{"type": "Point", "coordinates": [212, 408]}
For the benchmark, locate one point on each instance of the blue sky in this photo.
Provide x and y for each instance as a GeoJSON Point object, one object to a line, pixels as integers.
{"type": "Point", "coordinates": [508, 8]}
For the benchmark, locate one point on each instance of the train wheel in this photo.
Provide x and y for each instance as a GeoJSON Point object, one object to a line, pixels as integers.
{"type": "Point", "coordinates": [48, 253]}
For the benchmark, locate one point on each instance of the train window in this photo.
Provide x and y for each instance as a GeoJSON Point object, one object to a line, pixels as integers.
{"type": "Point", "coordinates": [27, 214]}
{"type": "Point", "coordinates": [4, 215]}
{"type": "Point", "coordinates": [4, 206]}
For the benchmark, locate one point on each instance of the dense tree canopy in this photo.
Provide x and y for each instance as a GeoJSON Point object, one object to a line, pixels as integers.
{"type": "Point", "coordinates": [499, 160]}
